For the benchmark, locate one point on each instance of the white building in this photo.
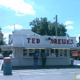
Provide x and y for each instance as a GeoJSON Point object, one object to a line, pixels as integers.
{"type": "Point", "coordinates": [23, 43]}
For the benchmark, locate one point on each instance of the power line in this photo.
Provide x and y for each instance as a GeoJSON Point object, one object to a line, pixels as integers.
{"type": "Point", "coordinates": [71, 16]}
{"type": "Point", "coordinates": [76, 32]}
{"type": "Point", "coordinates": [73, 33]}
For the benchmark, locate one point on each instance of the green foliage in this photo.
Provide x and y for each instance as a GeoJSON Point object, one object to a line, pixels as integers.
{"type": "Point", "coordinates": [40, 26]}
{"type": "Point", "coordinates": [44, 27]}
{"type": "Point", "coordinates": [6, 53]}
{"type": "Point", "coordinates": [2, 42]}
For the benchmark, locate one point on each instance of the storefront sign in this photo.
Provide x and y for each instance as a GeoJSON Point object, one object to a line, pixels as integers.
{"type": "Point", "coordinates": [62, 41]}
{"type": "Point", "coordinates": [33, 40]}
{"type": "Point", "coordinates": [52, 41]}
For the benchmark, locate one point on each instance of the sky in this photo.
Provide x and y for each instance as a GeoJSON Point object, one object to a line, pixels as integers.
{"type": "Point", "coordinates": [22, 12]}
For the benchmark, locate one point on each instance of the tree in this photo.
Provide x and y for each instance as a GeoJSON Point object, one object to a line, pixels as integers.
{"type": "Point", "coordinates": [40, 26]}
{"type": "Point", "coordinates": [2, 42]}
{"type": "Point", "coordinates": [44, 27]}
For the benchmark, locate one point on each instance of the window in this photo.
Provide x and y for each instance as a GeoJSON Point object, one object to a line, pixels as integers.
{"type": "Point", "coordinates": [52, 52]}
{"type": "Point", "coordinates": [47, 52]}
{"type": "Point", "coordinates": [65, 52]}
{"type": "Point", "coordinates": [24, 52]}
{"type": "Point", "coordinates": [42, 50]}
{"type": "Point", "coordinates": [37, 50]}
{"type": "Point", "coordinates": [56, 52]}
{"type": "Point", "coordinates": [61, 52]}
{"type": "Point", "coordinates": [31, 51]}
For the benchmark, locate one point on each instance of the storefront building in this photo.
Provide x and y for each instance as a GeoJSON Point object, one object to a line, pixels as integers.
{"type": "Point", "coordinates": [23, 44]}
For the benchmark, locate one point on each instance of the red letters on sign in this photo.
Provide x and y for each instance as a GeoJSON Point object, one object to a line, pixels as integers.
{"type": "Point", "coordinates": [52, 41]}
{"type": "Point", "coordinates": [37, 40]}
{"type": "Point", "coordinates": [61, 41]}
{"type": "Point", "coordinates": [28, 40]}
{"type": "Point", "coordinates": [33, 40]}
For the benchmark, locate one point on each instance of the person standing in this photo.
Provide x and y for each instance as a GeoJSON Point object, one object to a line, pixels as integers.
{"type": "Point", "coordinates": [43, 59]}
{"type": "Point", "coordinates": [35, 57]}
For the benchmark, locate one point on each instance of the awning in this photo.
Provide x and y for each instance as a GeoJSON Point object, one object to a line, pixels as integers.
{"type": "Point", "coordinates": [75, 48]}
{"type": "Point", "coordinates": [10, 47]}
{"type": "Point", "coordinates": [6, 47]}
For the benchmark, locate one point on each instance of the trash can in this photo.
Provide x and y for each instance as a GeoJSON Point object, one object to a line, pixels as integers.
{"type": "Point", "coordinates": [7, 66]}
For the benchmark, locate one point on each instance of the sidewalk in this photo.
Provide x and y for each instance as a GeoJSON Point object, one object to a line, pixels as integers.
{"type": "Point", "coordinates": [14, 76]}
{"type": "Point", "coordinates": [41, 74]}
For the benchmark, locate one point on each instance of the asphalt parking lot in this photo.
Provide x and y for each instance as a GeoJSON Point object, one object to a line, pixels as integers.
{"type": "Point", "coordinates": [43, 74]}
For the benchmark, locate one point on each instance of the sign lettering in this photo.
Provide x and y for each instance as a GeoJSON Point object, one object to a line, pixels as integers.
{"type": "Point", "coordinates": [33, 40]}
{"type": "Point", "coordinates": [52, 41]}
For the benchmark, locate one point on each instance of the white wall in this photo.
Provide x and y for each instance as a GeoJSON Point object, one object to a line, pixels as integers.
{"type": "Point", "coordinates": [49, 61]}
{"type": "Point", "coordinates": [19, 60]}
{"type": "Point", "coordinates": [21, 40]}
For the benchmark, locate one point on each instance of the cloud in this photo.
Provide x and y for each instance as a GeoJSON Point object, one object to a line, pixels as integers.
{"type": "Point", "coordinates": [6, 35]}
{"type": "Point", "coordinates": [68, 22]}
{"type": "Point", "coordinates": [19, 14]}
{"type": "Point", "coordinates": [17, 26]}
{"type": "Point", "coordinates": [69, 27]}
{"type": "Point", "coordinates": [19, 6]}
{"type": "Point", "coordinates": [77, 38]}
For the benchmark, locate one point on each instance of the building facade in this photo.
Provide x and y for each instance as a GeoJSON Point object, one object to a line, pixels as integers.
{"type": "Point", "coordinates": [23, 44]}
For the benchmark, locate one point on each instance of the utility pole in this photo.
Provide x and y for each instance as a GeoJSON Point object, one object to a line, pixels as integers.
{"type": "Point", "coordinates": [14, 27]}
{"type": "Point", "coordinates": [56, 26]}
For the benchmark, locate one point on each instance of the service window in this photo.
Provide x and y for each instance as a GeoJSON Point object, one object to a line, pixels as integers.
{"type": "Point", "coordinates": [56, 53]}
{"type": "Point", "coordinates": [61, 52]}
{"type": "Point", "coordinates": [52, 52]}
{"type": "Point", "coordinates": [38, 50]}
{"type": "Point", "coordinates": [42, 51]}
{"type": "Point", "coordinates": [31, 51]}
{"type": "Point", "coordinates": [65, 52]}
{"type": "Point", "coordinates": [47, 52]}
{"type": "Point", "coordinates": [24, 52]}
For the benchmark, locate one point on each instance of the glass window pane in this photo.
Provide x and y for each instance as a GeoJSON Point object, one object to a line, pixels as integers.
{"type": "Point", "coordinates": [52, 50]}
{"type": "Point", "coordinates": [42, 50]}
{"type": "Point", "coordinates": [37, 50]}
{"type": "Point", "coordinates": [61, 52]}
{"type": "Point", "coordinates": [24, 52]}
{"type": "Point", "coordinates": [56, 52]}
{"type": "Point", "coordinates": [65, 52]}
{"type": "Point", "coordinates": [52, 53]}
{"type": "Point", "coordinates": [47, 52]}
{"type": "Point", "coordinates": [31, 51]}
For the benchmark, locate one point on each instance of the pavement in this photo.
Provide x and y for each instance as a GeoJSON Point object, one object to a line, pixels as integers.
{"type": "Point", "coordinates": [44, 74]}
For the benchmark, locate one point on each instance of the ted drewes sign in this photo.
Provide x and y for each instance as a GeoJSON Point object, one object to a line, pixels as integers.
{"type": "Point", "coordinates": [43, 41]}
